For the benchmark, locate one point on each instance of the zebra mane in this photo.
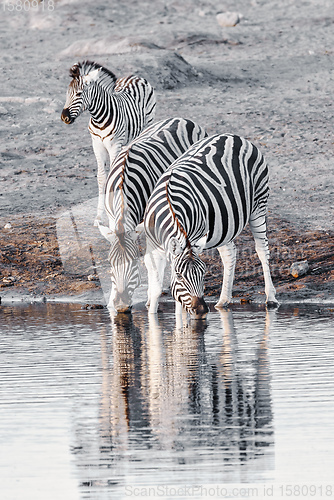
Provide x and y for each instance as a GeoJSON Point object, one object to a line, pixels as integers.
{"type": "Point", "coordinates": [182, 230]}
{"type": "Point", "coordinates": [84, 67]}
{"type": "Point", "coordinates": [123, 208]}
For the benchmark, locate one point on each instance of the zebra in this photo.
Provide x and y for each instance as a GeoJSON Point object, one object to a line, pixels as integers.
{"type": "Point", "coordinates": [131, 180]}
{"type": "Point", "coordinates": [203, 201]}
{"type": "Point", "coordinates": [119, 110]}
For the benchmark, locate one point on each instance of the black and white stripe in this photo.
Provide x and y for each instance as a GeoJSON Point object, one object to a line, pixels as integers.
{"type": "Point", "coordinates": [204, 201]}
{"type": "Point", "coordinates": [124, 262]}
{"type": "Point", "coordinates": [119, 109]}
{"type": "Point", "coordinates": [130, 183]}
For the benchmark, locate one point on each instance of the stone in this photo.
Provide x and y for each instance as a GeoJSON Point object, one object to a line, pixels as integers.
{"type": "Point", "coordinates": [93, 277]}
{"type": "Point", "coordinates": [92, 306]}
{"type": "Point", "coordinates": [298, 269]}
{"type": "Point", "coordinates": [228, 19]}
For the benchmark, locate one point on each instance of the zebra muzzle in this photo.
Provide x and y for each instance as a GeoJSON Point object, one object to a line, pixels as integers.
{"type": "Point", "coordinates": [122, 303]}
{"type": "Point", "coordinates": [198, 308]}
{"type": "Point", "coordinates": [66, 117]}
{"type": "Point", "coordinates": [124, 309]}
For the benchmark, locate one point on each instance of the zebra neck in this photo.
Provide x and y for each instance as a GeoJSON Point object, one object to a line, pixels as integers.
{"type": "Point", "coordinates": [188, 218]}
{"type": "Point", "coordinates": [178, 229]}
{"type": "Point", "coordinates": [125, 218]}
{"type": "Point", "coordinates": [124, 199]}
{"type": "Point", "coordinates": [106, 83]}
{"type": "Point", "coordinates": [100, 107]}
{"type": "Point", "coordinates": [172, 229]}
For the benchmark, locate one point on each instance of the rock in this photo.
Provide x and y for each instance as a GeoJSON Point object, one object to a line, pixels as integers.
{"type": "Point", "coordinates": [93, 277]}
{"type": "Point", "coordinates": [228, 19]}
{"type": "Point", "coordinates": [298, 269]}
{"type": "Point", "coordinates": [92, 306]}
{"type": "Point", "coordinates": [8, 225]}
{"type": "Point", "coordinates": [9, 279]}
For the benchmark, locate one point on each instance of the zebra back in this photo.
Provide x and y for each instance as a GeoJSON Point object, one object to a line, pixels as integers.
{"type": "Point", "coordinates": [212, 190]}
{"type": "Point", "coordinates": [141, 95]}
{"type": "Point", "coordinates": [122, 111]}
{"type": "Point", "coordinates": [137, 169]}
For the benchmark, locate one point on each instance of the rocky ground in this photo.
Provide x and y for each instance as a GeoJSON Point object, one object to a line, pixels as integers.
{"type": "Point", "coordinates": [269, 78]}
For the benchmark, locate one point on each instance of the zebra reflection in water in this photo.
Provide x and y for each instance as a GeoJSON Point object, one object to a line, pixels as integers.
{"type": "Point", "coordinates": [189, 395]}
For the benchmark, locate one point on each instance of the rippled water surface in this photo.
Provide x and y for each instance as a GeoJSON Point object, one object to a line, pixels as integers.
{"type": "Point", "coordinates": [97, 408]}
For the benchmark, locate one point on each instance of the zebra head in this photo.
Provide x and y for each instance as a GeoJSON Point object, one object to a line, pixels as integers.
{"type": "Point", "coordinates": [124, 261]}
{"type": "Point", "coordinates": [78, 97]}
{"type": "Point", "coordinates": [187, 278]}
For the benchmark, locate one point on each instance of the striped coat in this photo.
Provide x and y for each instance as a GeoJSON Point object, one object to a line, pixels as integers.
{"type": "Point", "coordinates": [119, 110]}
{"type": "Point", "coordinates": [204, 201]}
{"type": "Point", "coordinates": [129, 185]}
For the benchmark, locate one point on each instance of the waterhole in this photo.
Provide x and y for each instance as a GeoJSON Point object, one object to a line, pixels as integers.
{"type": "Point", "coordinates": [94, 407]}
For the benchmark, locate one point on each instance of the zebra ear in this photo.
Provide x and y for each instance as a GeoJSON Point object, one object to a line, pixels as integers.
{"type": "Point", "coordinates": [140, 228]}
{"type": "Point", "coordinates": [200, 244]}
{"type": "Point", "coordinates": [91, 77]}
{"type": "Point", "coordinates": [137, 231]}
{"type": "Point", "coordinates": [174, 247]}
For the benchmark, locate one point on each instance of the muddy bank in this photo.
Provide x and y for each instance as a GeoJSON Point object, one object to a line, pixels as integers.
{"type": "Point", "coordinates": [32, 265]}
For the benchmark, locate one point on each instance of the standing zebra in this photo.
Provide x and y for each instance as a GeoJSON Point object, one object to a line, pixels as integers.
{"type": "Point", "coordinates": [129, 185]}
{"type": "Point", "coordinates": [204, 201]}
{"type": "Point", "coordinates": [119, 110]}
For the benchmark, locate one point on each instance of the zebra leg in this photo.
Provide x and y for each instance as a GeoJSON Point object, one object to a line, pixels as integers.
{"type": "Point", "coordinates": [181, 316]}
{"type": "Point", "coordinates": [228, 254]}
{"type": "Point", "coordinates": [102, 158]}
{"type": "Point", "coordinates": [178, 309]}
{"type": "Point", "coordinates": [155, 261]}
{"type": "Point", "coordinates": [258, 227]}
{"type": "Point", "coordinates": [110, 305]}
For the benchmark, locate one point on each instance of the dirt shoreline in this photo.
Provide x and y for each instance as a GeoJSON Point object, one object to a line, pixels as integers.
{"type": "Point", "coordinates": [33, 270]}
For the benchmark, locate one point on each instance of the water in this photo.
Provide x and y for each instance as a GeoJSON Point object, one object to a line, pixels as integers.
{"type": "Point", "coordinates": [96, 408]}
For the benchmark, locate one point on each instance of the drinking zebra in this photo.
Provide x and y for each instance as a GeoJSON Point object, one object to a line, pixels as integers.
{"type": "Point", "coordinates": [204, 201]}
{"type": "Point", "coordinates": [129, 185]}
{"type": "Point", "coordinates": [119, 110]}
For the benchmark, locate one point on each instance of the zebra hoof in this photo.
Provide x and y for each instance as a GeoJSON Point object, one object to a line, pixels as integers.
{"type": "Point", "coordinates": [272, 304]}
{"type": "Point", "coordinates": [97, 222]}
